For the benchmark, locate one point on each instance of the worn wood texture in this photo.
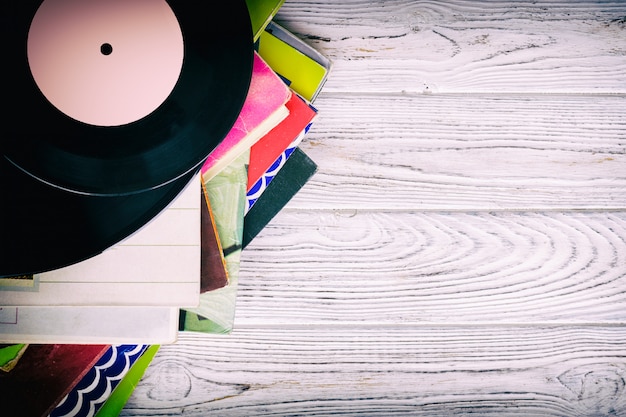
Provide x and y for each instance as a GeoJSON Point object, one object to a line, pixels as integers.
{"type": "Point", "coordinates": [455, 267]}
{"type": "Point", "coordinates": [467, 46]}
{"type": "Point", "coordinates": [391, 371]}
{"type": "Point", "coordinates": [462, 248]}
{"type": "Point", "coordinates": [467, 152]}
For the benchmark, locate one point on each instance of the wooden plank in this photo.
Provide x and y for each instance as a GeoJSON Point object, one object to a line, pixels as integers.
{"type": "Point", "coordinates": [398, 371]}
{"type": "Point", "coordinates": [466, 46]}
{"type": "Point", "coordinates": [384, 268]}
{"type": "Point", "coordinates": [467, 152]}
{"type": "Point", "coordinates": [462, 248]}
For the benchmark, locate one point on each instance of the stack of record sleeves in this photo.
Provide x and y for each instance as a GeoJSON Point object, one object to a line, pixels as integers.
{"type": "Point", "coordinates": [137, 183]}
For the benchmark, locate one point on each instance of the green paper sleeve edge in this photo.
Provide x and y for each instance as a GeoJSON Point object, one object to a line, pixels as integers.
{"type": "Point", "coordinates": [120, 395]}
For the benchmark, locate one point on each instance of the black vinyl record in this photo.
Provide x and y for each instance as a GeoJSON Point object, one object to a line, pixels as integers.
{"type": "Point", "coordinates": [216, 53]}
{"type": "Point", "coordinates": [71, 189]}
{"type": "Point", "coordinates": [44, 228]}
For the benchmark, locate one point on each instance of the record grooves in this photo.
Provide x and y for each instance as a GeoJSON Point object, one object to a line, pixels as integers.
{"type": "Point", "coordinates": [46, 228]}
{"type": "Point", "coordinates": [71, 189]}
{"type": "Point", "coordinates": [147, 153]}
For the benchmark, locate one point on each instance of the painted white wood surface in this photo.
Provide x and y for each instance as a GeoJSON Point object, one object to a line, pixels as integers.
{"type": "Point", "coordinates": [462, 249]}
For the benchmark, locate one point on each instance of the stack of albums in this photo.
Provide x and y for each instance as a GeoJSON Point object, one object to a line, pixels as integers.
{"type": "Point", "coordinates": [78, 330]}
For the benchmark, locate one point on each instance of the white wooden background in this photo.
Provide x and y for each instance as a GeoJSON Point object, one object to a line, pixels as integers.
{"type": "Point", "coordinates": [462, 249]}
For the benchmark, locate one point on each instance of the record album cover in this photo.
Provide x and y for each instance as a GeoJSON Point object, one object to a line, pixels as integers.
{"type": "Point", "coordinates": [124, 389]}
{"type": "Point", "coordinates": [301, 66]}
{"type": "Point", "coordinates": [296, 172]}
{"type": "Point", "coordinates": [44, 375]}
{"type": "Point", "coordinates": [261, 14]}
{"type": "Point", "coordinates": [213, 271]}
{"type": "Point", "coordinates": [95, 388]}
{"type": "Point", "coordinates": [10, 354]}
{"type": "Point", "coordinates": [258, 188]}
{"type": "Point", "coordinates": [85, 324]}
{"type": "Point", "coordinates": [226, 193]}
{"type": "Point", "coordinates": [264, 108]}
{"type": "Point", "coordinates": [267, 149]}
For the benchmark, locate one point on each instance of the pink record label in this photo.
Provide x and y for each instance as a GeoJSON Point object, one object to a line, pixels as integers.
{"type": "Point", "coordinates": [105, 62]}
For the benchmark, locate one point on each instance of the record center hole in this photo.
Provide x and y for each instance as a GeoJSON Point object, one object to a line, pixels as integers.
{"type": "Point", "coordinates": [106, 49]}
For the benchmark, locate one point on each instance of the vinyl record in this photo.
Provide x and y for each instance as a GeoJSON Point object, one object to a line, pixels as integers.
{"type": "Point", "coordinates": [72, 186]}
{"type": "Point", "coordinates": [44, 228]}
{"type": "Point", "coordinates": [114, 97]}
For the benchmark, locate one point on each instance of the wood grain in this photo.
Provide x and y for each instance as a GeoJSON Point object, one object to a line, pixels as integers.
{"type": "Point", "coordinates": [519, 371]}
{"type": "Point", "coordinates": [467, 46]}
{"type": "Point", "coordinates": [382, 268]}
{"type": "Point", "coordinates": [476, 152]}
{"type": "Point", "coordinates": [462, 247]}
